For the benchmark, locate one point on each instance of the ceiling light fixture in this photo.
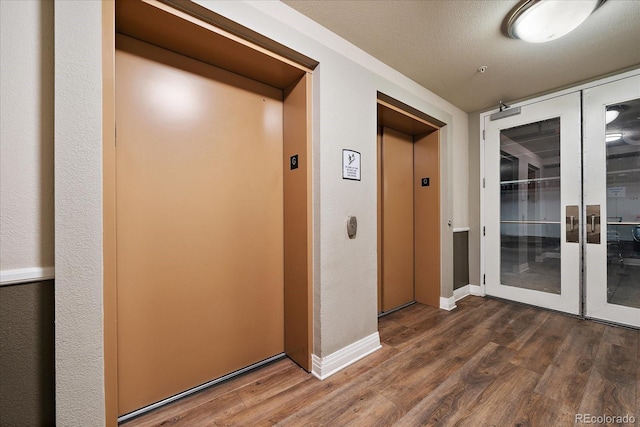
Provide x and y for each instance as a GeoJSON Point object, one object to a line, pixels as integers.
{"type": "Point", "coordinates": [539, 21]}
{"type": "Point", "coordinates": [611, 137]}
{"type": "Point", "coordinates": [611, 115]}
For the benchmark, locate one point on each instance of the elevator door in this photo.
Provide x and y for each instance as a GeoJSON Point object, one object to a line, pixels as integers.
{"type": "Point", "coordinates": [199, 223]}
{"type": "Point", "coordinates": [397, 211]}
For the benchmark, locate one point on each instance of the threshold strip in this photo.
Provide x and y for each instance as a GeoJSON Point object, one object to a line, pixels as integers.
{"type": "Point", "coordinates": [393, 310]}
{"type": "Point", "coordinates": [144, 410]}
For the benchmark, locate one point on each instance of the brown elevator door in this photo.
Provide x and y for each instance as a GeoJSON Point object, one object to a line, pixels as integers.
{"type": "Point", "coordinates": [199, 223]}
{"type": "Point", "coordinates": [397, 287]}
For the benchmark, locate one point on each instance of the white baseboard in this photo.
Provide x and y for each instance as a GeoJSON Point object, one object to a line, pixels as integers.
{"type": "Point", "coordinates": [462, 292]}
{"type": "Point", "coordinates": [448, 303]}
{"type": "Point", "coordinates": [476, 290]}
{"type": "Point", "coordinates": [521, 268]}
{"type": "Point", "coordinates": [467, 290]}
{"type": "Point", "coordinates": [324, 367]}
{"type": "Point", "coordinates": [25, 275]}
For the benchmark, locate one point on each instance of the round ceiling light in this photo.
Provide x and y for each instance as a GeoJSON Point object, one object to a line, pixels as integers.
{"type": "Point", "coordinates": [612, 137]}
{"type": "Point", "coordinates": [539, 21]}
{"type": "Point", "coordinates": [611, 115]}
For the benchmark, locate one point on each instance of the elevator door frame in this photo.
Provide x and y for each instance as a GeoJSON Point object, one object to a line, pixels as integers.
{"type": "Point", "coordinates": [427, 234]}
{"type": "Point", "coordinates": [198, 33]}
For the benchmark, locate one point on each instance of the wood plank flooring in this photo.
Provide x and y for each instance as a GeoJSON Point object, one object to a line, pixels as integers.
{"type": "Point", "coordinates": [486, 363]}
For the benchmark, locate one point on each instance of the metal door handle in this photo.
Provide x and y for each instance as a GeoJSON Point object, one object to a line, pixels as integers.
{"type": "Point", "coordinates": [572, 223]}
{"type": "Point", "coordinates": [593, 233]}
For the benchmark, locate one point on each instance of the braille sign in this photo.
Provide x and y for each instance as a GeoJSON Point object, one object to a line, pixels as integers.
{"type": "Point", "coordinates": [351, 165]}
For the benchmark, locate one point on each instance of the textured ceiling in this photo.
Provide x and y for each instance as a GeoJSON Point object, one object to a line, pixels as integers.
{"type": "Point", "coordinates": [442, 43]}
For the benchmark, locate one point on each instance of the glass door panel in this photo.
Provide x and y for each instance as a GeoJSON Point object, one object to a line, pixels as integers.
{"type": "Point", "coordinates": [530, 206]}
{"type": "Point", "coordinates": [612, 181]}
{"type": "Point", "coordinates": [532, 173]}
{"type": "Point", "coordinates": [622, 141]}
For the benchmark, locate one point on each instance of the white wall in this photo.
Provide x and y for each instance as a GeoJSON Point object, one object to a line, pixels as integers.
{"type": "Point", "coordinates": [345, 86]}
{"type": "Point", "coordinates": [26, 140]}
{"type": "Point", "coordinates": [78, 214]}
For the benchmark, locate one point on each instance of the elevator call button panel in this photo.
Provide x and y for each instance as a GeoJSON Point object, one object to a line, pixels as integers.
{"type": "Point", "coordinates": [352, 227]}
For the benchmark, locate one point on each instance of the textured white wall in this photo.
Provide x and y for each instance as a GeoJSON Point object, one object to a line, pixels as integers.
{"type": "Point", "coordinates": [78, 214]}
{"type": "Point", "coordinates": [26, 136]}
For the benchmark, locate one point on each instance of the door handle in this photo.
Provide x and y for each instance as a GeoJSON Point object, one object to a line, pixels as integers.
{"type": "Point", "coordinates": [572, 224]}
{"type": "Point", "coordinates": [595, 224]}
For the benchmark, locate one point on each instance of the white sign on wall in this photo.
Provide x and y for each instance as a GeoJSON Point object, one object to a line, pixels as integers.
{"type": "Point", "coordinates": [617, 192]}
{"type": "Point", "coordinates": [351, 165]}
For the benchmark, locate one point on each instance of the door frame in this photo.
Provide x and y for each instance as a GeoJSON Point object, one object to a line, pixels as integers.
{"type": "Point", "coordinates": [426, 131]}
{"type": "Point", "coordinates": [567, 109]}
{"type": "Point", "coordinates": [217, 41]}
{"type": "Point", "coordinates": [481, 287]}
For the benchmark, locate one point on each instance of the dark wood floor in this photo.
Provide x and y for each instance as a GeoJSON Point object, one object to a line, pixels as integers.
{"type": "Point", "coordinates": [487, 363]}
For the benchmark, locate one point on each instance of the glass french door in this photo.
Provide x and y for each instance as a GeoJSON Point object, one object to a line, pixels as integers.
{"type": "Point", "coordinates": [562, 203]}
{"type": "Point", "coordinates": [532, 178]}
{"type": "Point", "coordinates": [612, 201]}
